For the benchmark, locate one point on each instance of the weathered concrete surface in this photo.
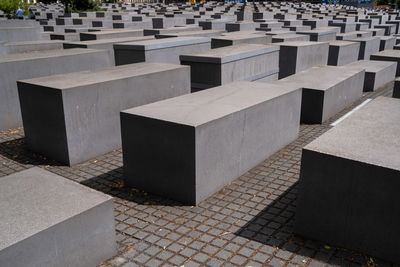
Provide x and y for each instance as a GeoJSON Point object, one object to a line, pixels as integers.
{"type": "Point", "coordinates": [202, 141]}
{"type": "Point", "coordinates": [47, 220]}
{"type": "Point", "coordinates": [28, 46]}
{"type": "Point", "coordinates": [235, 38]}
{"type": "Point", "coordinates": [368, 46]}
{"type": "Point", "coordinates": [348, 183]}
{"type": "Point", "coordinates": [219, 66]}
{"type": "Point", "coordinates": [165, 50]}
{"type": "Point", "coordinates": [108, 34]}
{"type": "Point", "coordinates": [80, 111]}
{"type": "Point", "coordinates": [35, 64]}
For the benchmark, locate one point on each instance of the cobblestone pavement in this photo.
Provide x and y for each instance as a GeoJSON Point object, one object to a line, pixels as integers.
{"type": "Point", "coordinates": [247, 223]}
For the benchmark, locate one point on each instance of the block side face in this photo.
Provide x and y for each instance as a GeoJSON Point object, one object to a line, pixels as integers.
{"type": "Point", "coordinates": [228, 147]}
{"type": "Point", "coordinates": [217, 43]}
{"type": "Point", "coordinates": [287, 61]}
{"type": "Point", "coordinates": [204, 75]}
{"type": "Point", "coordinates": [343, 94]}
{"type": "Point", "coordinates": [147, 142]}
{"type": "Point", "coordinates": [86, 239]}
{"type": "Point", "coordinates": [349, 204]}
{"type": "Point", "coordinates": [92, 112]}
{"type": "Point", "coordinates": [312, 103]}
{"type": "Point", "coordinates": [43, 116]}
{"type": "Point", "coordinates": [311, 56]}
{"type": "Point", "coordinates": [125, 56]}
{"type": "Point", "coordinates": [333, 56]}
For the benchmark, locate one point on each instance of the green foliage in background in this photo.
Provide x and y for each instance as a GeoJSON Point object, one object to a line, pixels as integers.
{"type": "Point", "coordinates": [77, 5]}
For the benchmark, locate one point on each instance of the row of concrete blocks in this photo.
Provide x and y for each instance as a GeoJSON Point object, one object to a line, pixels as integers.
{"type": "Point", "coordinates": [80, 120]}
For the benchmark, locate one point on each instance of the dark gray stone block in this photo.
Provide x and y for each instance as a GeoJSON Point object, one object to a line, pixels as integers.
{"type": "Point", "coordinates": [202, 141]}
{"type": "Point", "coordinates": [79, 112]}
{"type": "Point", "coordinates": [47, 220]}
{"type": "Point", "coordinates": [349, 180]}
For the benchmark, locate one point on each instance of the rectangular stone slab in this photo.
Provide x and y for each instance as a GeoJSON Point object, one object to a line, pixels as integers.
{"type": "Point", "coordinates": [333, 90]}
{"type": "Point", "coordinates": [28, 46]}
{"type": "Point", "coordinates": [15, 67]}
{"type": "Point", "coordinates": [202, 141]}
{"type": "Point", "coordinates": [219, 66]}
{"type": "Point", "coordinates": [47, 220]}
{"type": "Point", "coordinates": [377, 73]}
{"type": "Point", "coordinates": [368, 46]}
{"type": "Point", "coordinates": [388, 55]}
{"type": "Point", "coordinates": [349, 180]}
{"type": "Point", "coordinates": [298, 56]}
{"type": "Point", "coordinates": [116, 33]}
{"type": "Point", "coordinates": [342, 52]}
{"type": "Point", "coordinates": [165, 50]}
{"type": "Point", "coordinates": [234, 39]}
{"type": "Point", "coordinates": [80, 111]}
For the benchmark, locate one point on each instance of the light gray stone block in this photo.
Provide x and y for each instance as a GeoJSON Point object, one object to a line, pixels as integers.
{"type": "Point", "coordinates": [377, 73]}
{"type": "Point", "coordinates": [47, 220]}
{"type": "Point", "coordinates": [320, 35]}
{"type": "Point", "coordinates": [333, 90]}
{"type": "Point", "coordinates": [206, 139]}
{"type": "Point", "coordinates": [35, 64]}
{"type": "Point", "coordinates": [238, 38]}
{"type": "Point", "coordinates": [368, 46]}
{"type": "Point", "coordinates": [388, 55]}
{"type": "Point", "coordinates": [80, 111]}
{"type": "Point", "coordinates": [224, 65]}
{"type": "Point", "coordinates": [108, 34]}
{"type": "Point", "coordinates": [342, 52]}
{"type": "Point", "coordinates": [290, 38]}
{"type": "Point", "coordinates": [28, 46]}
{"type": "Point", "coordinates": [298, 56]}
{"type": "Point", "coordinates": [387, 42]}
{"type": "Point", "coordinates": [165, 50]}
{"type": "Point", "coordinates": [348, 193]}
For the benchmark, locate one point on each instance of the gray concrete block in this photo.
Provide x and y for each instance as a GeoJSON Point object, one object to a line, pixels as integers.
{"type": "Point", "coordinates": [48, 220]}
{"type": "Point", "coordinates": [239, 38]}
{"type": "Point", "coordinates": [348, 183]}
{"type": "Point", "coordinates": [317, 35]}
{"type": "Point", "coordinates": [147, 32]}
{"type": "Point", "coordinates": [203, 141]}
{"type": "Point", "coordinates": [201, 33]}
{"type": "Point", "coordinates": [105, 44]}
{"type": "Point", "coordinates": [368, 46]}
{"type": "Point", "coordinates": [387, 42]}
{"type": "Point", "coordinates": [290, 38]}
{"type": "Point", "coordinates": [165, 50]}
{"type": "Point", "coordinates": [108, 34]}
{"type": "Point", "coordinates": [342, 52]}
{"type": "Point", "coordinates": [377, 73]}
{"type": "Point", "coordinates": [388, 55]}
{"type": "Point", "coordinates": [333, 90]}
{"type": "Point", "coordinates": [298, 56]}
{"type": "Point", "coordinates": [80, 111]}
{"type": "Point", "coordinates": [28, 46]}
{"type": "Point", "coordinates": [15, 67]}
{"type": "Point", "coordinates": [234, 63]}
{"type": "Point", "coordinates": [19, 34]}
{"type": "Point", "coordinates": [240, 26]}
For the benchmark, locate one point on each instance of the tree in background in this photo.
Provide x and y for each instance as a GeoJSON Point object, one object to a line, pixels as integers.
{"type": "Point", "coordinates": [10, 6]}
{"type": "Point", "coordinates": [76, 5]}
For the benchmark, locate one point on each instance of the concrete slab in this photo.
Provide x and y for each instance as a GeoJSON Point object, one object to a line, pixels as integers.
{"type": "Point", "coordinates": [219, 66]}
{"type": "Point", "coordinates": [387, 42]}
{"type": "Point", "coordinates": [28, 46]}
{"type": "Point", "coordinates": [234, 39]}
{"type": "Point", "coordinates": [165, 50]}
{"type": "Point", "coordinates": [108, 34]}
{"type": "Point", "coordinates": [349, 180]}
{"type": "Point", "coordinates": [206, 139]}
{"type": "Point", "coordinates": [388, 55]}
{"type": "Point", "coordinates": [377, 73]}
{"type": "Point", "coordinates": [335, 89]}
{"type": "Point", "coordinates": [15, 67]}
{"type": "Point", "coordinates": [44, 212]}
{"type": "Point", "coordinates": [80, 111]}
{"type": "Point", "coordinates": [298, 56]}
{"type": "Point", "coordinates": [343, 52]}
{"type": "Point", "coordinates": [368, 46]}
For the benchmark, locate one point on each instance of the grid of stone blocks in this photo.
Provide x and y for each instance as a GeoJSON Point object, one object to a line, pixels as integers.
{"type": "Point", "coordinates": [247, 223]}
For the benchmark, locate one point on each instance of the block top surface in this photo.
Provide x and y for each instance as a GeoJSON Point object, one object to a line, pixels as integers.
{"type": "Point", "coordinates": [46, 54]}
{"type": "Point", "coordinates": [235, 37]}
{"type": "Point", "coordinates": [370, 135]}
{"type": "Point", "coordinates": [302, 43]}
{"type": "Point", "coordinates": [388, 53]}
{"type": "Point", "coordinates": [111, 31]}
{"type": "Point", "coordinates": [112, 40]}
{"type": "Point", "coordinates": [35, 199]}
{"type": "Point", "coordinates": [230, 53]}
{"type": "Point", "coordinates": [342, 43]}
{"type": "Point", "coordinates": [88, 77]}
{"type": "Point", "coordinates": [328, 76]}
{"type": "Point", "coordinates": [162, 43]}
{"type": "Point", "coordinates": [373, 65]}
{"type": "Point", "coordinates": [202, 107]}
{"type": "Point", "coordinates": [364, 39]}
{"type": "Point", "coordinates": [37, 42]}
